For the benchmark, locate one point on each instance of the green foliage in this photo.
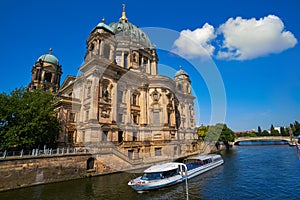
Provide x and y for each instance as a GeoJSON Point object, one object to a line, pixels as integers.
{"type": "Point", "coordinates": [227, 135]}
{"type": "Point", "coordinates": [214, 132]}
{"type": "Point", "coordinates": [296, 128]}
{"type": "Point", "coordinates": [259, 132]}
{"type": "Point", "coordinates": [218, 132]}
{"type": "Point", "coordinates": [202, 130]}
{"type": "Point", "coordinates": [253, 134]}
{"type": "Point", "coordinates": [27, 119]}
{"type": "Point", "coordinates": [265, 133]}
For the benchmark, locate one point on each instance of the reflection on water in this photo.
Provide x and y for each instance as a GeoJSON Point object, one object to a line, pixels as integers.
{"type": "Point", "coordinates": [249, 172]}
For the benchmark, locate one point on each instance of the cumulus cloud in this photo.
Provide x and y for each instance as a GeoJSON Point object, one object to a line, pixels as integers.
{"type": "Point", "coordinates": [238, 39]}
{"type": "Point", "coordinates": [250, 38]}
{"type": "Point", "coordinates": [195, 43]}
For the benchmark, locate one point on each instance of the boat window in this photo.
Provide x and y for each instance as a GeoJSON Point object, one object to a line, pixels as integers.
{"type": "Point", "coordinates": [152, 176]}
{"type": "Point", "coordinates": [160, 175]}
{"type": "Point", "coordinates": [206, 161]}
{"type": "Point", "coordinates": [217, 158]}
{"type": "Point", "coordinates": [170, 173]}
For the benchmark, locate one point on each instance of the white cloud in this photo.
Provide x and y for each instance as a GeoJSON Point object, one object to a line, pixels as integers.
{"type": "Point", "coordinates": [250, 38]}
{"type": "Point", "coordinates": [239, 39]}
{"type": "Point", "coordinates": [195, 43]}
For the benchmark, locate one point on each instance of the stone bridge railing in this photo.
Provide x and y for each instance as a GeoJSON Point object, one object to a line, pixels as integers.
{"type": "Point", "coordinates": [263, 138]}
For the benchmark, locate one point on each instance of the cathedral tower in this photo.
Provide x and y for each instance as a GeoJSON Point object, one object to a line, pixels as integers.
{"type": "Point", "coordinates": [46, 73]}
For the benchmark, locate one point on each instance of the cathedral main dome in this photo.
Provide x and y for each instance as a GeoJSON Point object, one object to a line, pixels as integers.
{"type": "Point", "coordinates": [127, 31]}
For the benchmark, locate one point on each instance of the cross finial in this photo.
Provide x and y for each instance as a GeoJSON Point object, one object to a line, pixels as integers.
{"type": "Point", "coordinates": [123, 18]}
{"type": "Point", "coordinates": [50, 50]}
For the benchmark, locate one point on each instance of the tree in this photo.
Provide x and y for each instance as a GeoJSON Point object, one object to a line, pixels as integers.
{"type": "Point", "coordinates": [27, 119]}
{"type": "Point", "coordinates": [214, 132]}
{"type": "Point", "coordinates": [202, 130]}
{"type": "Point", "coordinates": [227, 135]}
{"type": "Point", "coordinates": [283, 131]}
{"type": "Point", "coordinates": [296, 128]}
{"type": "Point", "coordinates": [265, 133]}
{"type": "Point", "coordinates": [258, 131]}
{"type": "Point", "coordinates": [272, 129]}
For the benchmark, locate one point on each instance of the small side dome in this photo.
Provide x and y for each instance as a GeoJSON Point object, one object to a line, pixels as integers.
{"type": "Point", "coordinates": [181, 72]}
{"type": "Point", "coordinates": [104, 26]}
{"type": "Point", "coordinates": [48, 58]}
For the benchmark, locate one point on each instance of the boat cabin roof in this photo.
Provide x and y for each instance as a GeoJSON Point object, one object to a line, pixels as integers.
{"type": "Point", "coordinates": [203, 157]}
{"type": "Point", "coordinates": [162, 167]}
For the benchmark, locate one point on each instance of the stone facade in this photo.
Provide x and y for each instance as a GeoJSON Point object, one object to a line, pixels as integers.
{"type": "Point", "coordinates": [27, 171]}
{"type": "Point", "coordinates": [120, 100]}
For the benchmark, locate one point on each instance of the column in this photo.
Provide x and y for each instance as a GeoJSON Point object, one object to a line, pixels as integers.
{"type": "Point", "coordinates": [122, 61]}
{"type": "Point", "coordinates": [142, 62]}
{"type": "Point", "coordinates": [94, 96]}
{"type": "Point", "coordinates": [52, 77]}
{"type": "Point", "coordinates": [154, 68]}
{"type": "Point", "coordinates": [114, 102]}
{"type": "Point", "coordinates": [164, 105]}
{"type": "Point", "coordinates": [149, 67]}
{"type": "Point", "coordinates": [187, 115]}
{"type": "Point", "coordinates": [111, 52]}
{"type": "Point", "coordinates": [43, 75]}
{"type": "Point", "coordinates": [128, 100]}
{"type": "Point", "coordinates": [143, 105]}
{"type": "Point", "coordinates": [101, 48]}
{"type": "Point", "coordinates": [97, 47]}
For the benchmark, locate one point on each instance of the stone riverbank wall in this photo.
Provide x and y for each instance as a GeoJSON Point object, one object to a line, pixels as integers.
{"type": "Point", "coordinates": [17, 172]}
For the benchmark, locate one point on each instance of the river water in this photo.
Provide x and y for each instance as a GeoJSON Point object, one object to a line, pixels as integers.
{"type": "Point", "coordinates": [249, 172]}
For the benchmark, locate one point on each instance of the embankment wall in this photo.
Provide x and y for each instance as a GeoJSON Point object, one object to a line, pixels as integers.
{"type": "Point", "coordinates": [19, 172]}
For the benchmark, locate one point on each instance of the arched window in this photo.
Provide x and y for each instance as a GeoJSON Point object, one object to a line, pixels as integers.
{"type": "Point", "coordinates": [134, 99]}
{"type": "Point", "coordinates": [90, 163]}
{"type": "Point", "coordinates": [106, 51]}
{"type": "Point", "coordinates": [179, 86]}
{"type": "Point", "coordinates": [48, 77]}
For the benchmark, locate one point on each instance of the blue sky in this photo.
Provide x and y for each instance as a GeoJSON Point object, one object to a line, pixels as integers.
{"type": "Point", "coordinates": [253, 45]}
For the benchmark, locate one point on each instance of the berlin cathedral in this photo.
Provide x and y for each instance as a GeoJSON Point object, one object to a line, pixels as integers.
{"type": "Point", "coordinates": [119, 99]}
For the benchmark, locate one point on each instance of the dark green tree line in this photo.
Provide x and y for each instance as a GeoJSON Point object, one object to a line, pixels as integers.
{"type": "Point", "coordinates": [27, 119]}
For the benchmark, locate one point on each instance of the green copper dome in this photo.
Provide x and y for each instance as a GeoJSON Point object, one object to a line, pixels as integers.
{"type": "Point", "coordinates": [125, 30]}
{"type": "Point", "coordinates": [48, 58]}
{"type": "Point", "coordinates": [181, 72]}
{"type": "Point", "coordinates": [104, 26]}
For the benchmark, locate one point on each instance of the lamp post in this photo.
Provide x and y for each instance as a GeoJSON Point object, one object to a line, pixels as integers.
{"type": "Point", "coordinates": [182, 174]}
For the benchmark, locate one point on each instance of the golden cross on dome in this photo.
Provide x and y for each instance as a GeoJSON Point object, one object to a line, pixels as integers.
{"type": "Point", "coordinates": [124, 14]}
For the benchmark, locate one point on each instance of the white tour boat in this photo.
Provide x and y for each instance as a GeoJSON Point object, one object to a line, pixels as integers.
{"type": "Point", "coordinates": [163, 175]}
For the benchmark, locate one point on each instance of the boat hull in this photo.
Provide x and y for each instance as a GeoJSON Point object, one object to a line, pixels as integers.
{"type": "Point", "coordinates": [140, 187]}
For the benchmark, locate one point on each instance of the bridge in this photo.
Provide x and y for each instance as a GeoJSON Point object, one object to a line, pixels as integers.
{"type": "Point", "coordinates": [262, 139]}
